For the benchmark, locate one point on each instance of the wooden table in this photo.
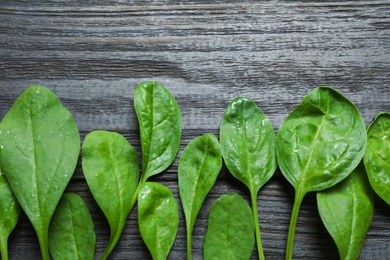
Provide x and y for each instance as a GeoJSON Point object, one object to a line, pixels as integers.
{"type": "Point", "coordinates": [92, 55]}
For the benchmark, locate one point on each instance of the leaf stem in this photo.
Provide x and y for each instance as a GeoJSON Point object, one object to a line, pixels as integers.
{"type": "Point", "coordinates": [255, 213]}
{"type": "Point", "coordinates": [114, 237]}
{"type": "Point", "coordinates": [189, 242]}
{"type": "Point", "coordinates": [43, 238]}
{"type": "Point", "coordinates": [4, 248]}
{"type": "Point", "coordinates": [293, 223]}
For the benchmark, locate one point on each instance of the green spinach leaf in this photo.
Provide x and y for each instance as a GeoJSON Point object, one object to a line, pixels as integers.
{"type": "Point", "coordinates": [377, 156]}
{"type": "Point", "coordinates": [346, 210]}
{"type": "Point", "coordinates": [199, 166]}
{"type": "Point", "coordinates": [71, 232]}
{"type": "Point", "coordinates": [39, 148]}
{"type": "Point", "coordinates": [248, 145]}
{"type": "Point", "coordinates": [158, 218]}
{"type": "Point", "coordinates": [230, 229]}
{"type": "Point", "coordinates": [160, 123]}
{"type": "Point", "coordinates": [9, 214]}
{"type": "Point", "coordinates": [318, 145]}
{"type": "Point", "coordinates": [111, 169]}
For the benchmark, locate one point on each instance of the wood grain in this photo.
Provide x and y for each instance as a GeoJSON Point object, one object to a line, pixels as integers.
{"type": "Point", "coordinates": [92, 55]}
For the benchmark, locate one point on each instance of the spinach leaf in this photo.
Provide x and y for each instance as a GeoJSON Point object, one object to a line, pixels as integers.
{"type": "Point", "coordinates": [230, 229]}
{"type": "Point", "coordinates": [346, 210]}
{"type": "Point", "coordinates": [39, 148]}
{"type": "Point", "coordinates": [248, 145]}
{"type": "Point", "coordinates": [9, 214]}
{"type": "Point", "coordinates": [71, 232]}
{"type": "Point", "coordinates": [377, 156]}
{"type": "Point", "coordinates": [318, 145]}
{"type": "Point", "coordinates": [160, 123]}
{"type": "Point", "coordinates": [158, 218]}
{"type": "Point", "coordinates": [198, 169]}
{"type": "Point", "coordinates": [110, 166]}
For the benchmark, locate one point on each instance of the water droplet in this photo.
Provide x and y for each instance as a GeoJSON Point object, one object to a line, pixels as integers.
{"type": "Point", "coordinates": [384, 137]}
{"type": "Point", "coordinates": [296, 150]}
{"type": "Point", "coordinates": [7, 132]}
{"type": "Point", "coordinates": [37, 91]}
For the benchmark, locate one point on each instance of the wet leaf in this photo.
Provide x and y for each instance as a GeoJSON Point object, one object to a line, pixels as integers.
{"type": "Point", "coordinates": [377, 156]}
{"type": "Point", "coordinates": [318, 145]}
{"type": "Point", "coordinates": [248, 145]}
{"type": "Point", "coordinates": [158, 218]}
{"type": "Point", "coordinates": [160, 122]}
{"type": "Point", "coordinates": [39, 148]}
{"type": "Point", "coordinates": [9, 214]}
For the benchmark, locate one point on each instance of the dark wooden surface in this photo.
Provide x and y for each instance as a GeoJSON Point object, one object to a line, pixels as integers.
{"type": "Point", "coordinates": [92, 54]}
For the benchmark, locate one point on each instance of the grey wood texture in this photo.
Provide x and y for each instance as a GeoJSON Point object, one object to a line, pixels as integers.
{"type": "Point", "coordinates": [92, 54]}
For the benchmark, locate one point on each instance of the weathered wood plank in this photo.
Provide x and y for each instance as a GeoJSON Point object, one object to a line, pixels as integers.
{"type": "Point", "coordinates": [92, 55]}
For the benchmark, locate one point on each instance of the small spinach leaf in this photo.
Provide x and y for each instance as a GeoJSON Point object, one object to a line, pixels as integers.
{"type": "Point", "coordinates": [198, 169]}
{"type": "Point", "coordinates": [318, 145]}
{"type": "Point", "coordinates": [346, 210]}
{"type": "Point", "coordinates": [110, 166]}
{"type": "Point", "coordinates": [71, 232]}
{"type": "Point", "coordinates": [230, 229]}
{"type": "Point", "coordinates": [9, 214]}
{"type": "Point", "coordinates": [39, 148]}
{"type": "Point", "coordinates": [160, 123]}
{"type": "Point", "coordinates": [158, 218]}
{"type": "Point", "coordinates": [377, 156]}
{"type": "Point", "coordinates": [248, 145]}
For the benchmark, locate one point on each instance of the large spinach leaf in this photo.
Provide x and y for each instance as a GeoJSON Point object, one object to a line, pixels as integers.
{"type": "Point", "coordinates": [158, 218]}
{"type": "Point", "coordinates": [39, 148]}
{"type": "Point", "coordinates": [110, 166]}
{"type": "Point", "coordinates": [318, 145]}
{"type": "Point", "coordinates": [71, 232]}
{"type": "Point", "coordinates": [198, 169]}
{"type": "Point", "coordinates": [230, 229]}
{"type": "Point", "coordinates": [160, 123]}
{"type": "Point", "coordinates": [377, 156]}
{"type": "Point", "coordinates": [248, 145]}
{"type": "Point", "coordinates": [346, 210]}
{"type": "Point", "coordinates": [9, 214]}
